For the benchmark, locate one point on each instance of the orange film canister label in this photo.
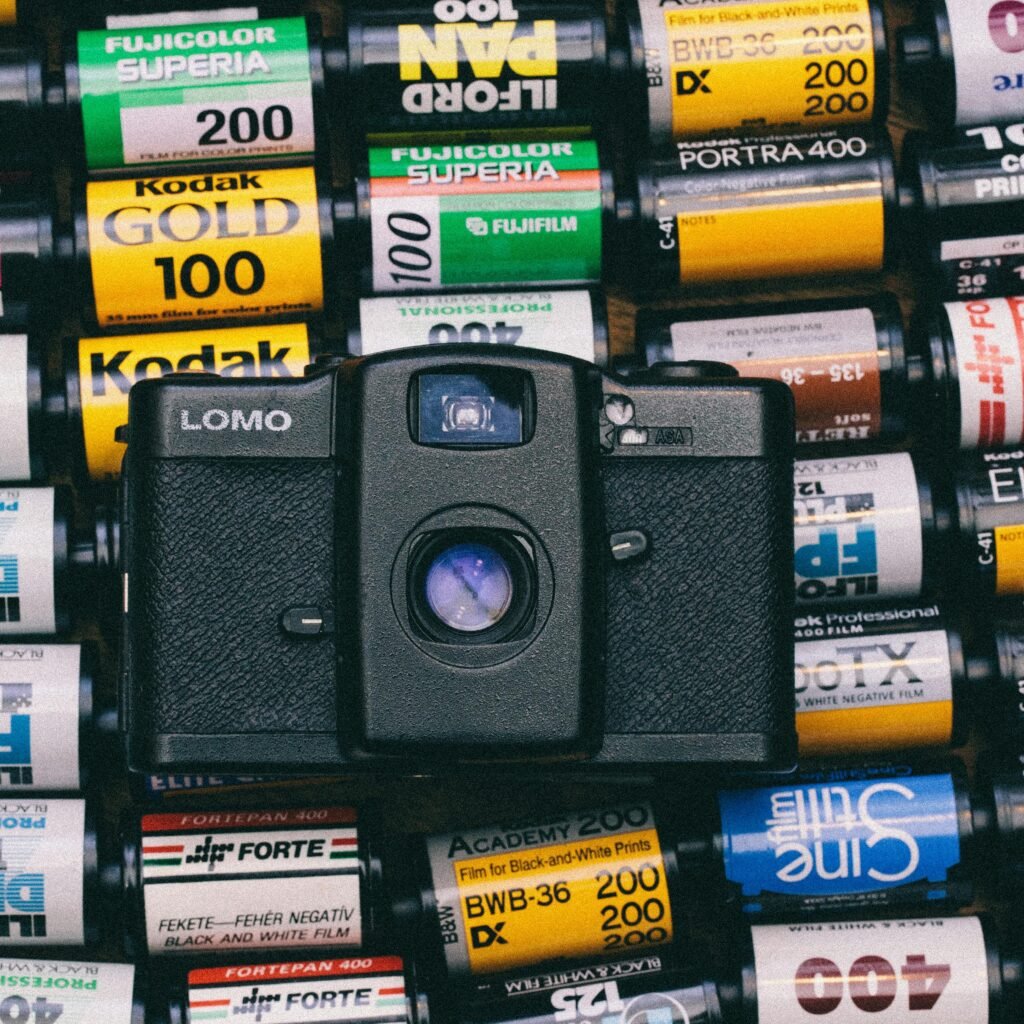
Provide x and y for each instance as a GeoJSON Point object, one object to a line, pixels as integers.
{"type": "Point", "coordinates": [1009, 543]}
{"type": "Point", "coordinates": [576, 886]}
{"type": "Point", "coordinates": [719, 68]}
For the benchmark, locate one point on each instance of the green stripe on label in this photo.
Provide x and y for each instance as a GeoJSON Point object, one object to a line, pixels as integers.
{"type": "Point", "coordinates": [544, 237]}
{"type": "Point", "coordinates": [343, 854]}
{"type": "Point", "coordinates": [160, 862]}
{"type": "Point", "coordinates": [166, 68]}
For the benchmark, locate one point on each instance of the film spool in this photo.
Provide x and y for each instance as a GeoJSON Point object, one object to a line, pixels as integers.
{"type": "Point", "coordinates": [977, 396]}
{"type": "Point", "coordinates": [965, 57]}
{"type": "Point", "coordinates": [846, 361]}
{"type": "Point", "coordinates": [947, 967]}
{"type": "Point", "coordinates": [989, 490]}
{"type": "Point", "coordinates": [89, 993]}
{"type": "Point", "coordinates": [963, 213]}
{"type": "Point", "coordinates": [52, 876]}
{"type": "Point", "coordinates": [868, 527]}
{"type": "Point", "coordinates": [382, 988]}
{"type": "Point", "coordinates": [281, 866]}
{"type": "Point", "coordinates": [458, 890]}
{"type": "Point", "coordinates": [930, 864]}
{"type": "Point", "coordinates": [883, 679]}
{"type": "Point", "coordinates": [530, 214]}
{"type": "Point", "coordinates": [692, 72]}
{"type": "Point", "coordinates": [572, 323]}
{"type": "Point", "coordinates": [471, 69]}
{"type": "Point", "coordinates": [232, 247]}
{"type": "Point", "coordinates": [818, 203]}
{"type": "Point", "coordinates": [53, 723]}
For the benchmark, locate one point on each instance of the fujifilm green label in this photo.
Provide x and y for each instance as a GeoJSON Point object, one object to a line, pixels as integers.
{"type": "Point", "coordinates": [559, 321]}
{"type": "Point", "coordinates": [38, 991]}
{"type": "Point", "coordinates": [201, 92]}
{"type": "Point", "coordinates": [502, 214]}
{"type": "Point", "coordinates": [26, 561]}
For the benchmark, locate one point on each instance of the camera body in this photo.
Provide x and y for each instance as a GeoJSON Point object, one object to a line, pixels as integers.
{"type": "Point", "coordinates": [427, 557]}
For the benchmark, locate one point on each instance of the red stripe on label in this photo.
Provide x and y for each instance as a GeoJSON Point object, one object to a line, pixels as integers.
{"type": "Point", "coordinates": [193, 1003]}
{"type": "Point", "coordinates": [300, 969]}
{"type": "Point", "coordinates": [240, 821]}
{"type": "Point", "coordinates": [392, 991]}
{"type": "Point", "coordinates": [345, 842]}
{"type": "Point", "coordinates": [992, 428]}
{"type": "Point", "coordinates": [162, 849]}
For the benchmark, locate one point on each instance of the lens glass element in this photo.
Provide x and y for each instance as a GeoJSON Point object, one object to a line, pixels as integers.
{"type": "Point", "coordinates": [489, 408]}
{"type": "Point", "coordinates": [469, 587]}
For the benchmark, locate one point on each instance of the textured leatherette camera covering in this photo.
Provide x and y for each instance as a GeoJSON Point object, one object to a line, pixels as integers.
{"type": "Point", "coordinates": [257, 537]}
{"type": "Point", "coordinates": [700, 629]}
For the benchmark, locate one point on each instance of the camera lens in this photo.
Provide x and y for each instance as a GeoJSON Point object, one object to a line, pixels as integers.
{"type": "Point", "coordinates": [472, 586]}
{"type": "Point", "coordinates": [469, 587]}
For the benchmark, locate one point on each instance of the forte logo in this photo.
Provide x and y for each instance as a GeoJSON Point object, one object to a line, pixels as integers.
{"type": "Point", "coordinates": [276, 420]}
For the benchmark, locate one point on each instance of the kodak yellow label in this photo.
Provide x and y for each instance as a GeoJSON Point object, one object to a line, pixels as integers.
{"type": "Point", "coordinates": [576, 886]}
{"type": "Point", "coordinates": [729, 66]}
{"type": "Point", "coordinates": [8, 12]}
{"type": "Point", "coordinates": [210, 247]}
{"type": "Point", "coordinates": [108, 367]}
{"type": "Point", "coordinates": [845, 235]}
{"type": "Point", "coordinates": [1010, 560]}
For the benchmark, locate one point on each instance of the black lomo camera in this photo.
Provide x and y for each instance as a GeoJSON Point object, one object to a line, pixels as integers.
{"type": "Point", "coordinates": [465, 555]}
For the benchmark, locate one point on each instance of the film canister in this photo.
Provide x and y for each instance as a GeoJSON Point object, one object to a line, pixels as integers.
{"type": "Point", "coordinates": [45, 563]}
{"type": "Point", "coordinates": [565, 887]}
{"type": "Point", "coordinates": [323, 991]}
{"type": "Point", "coordinates": [43, 991]}
{"type": "Point", "coordinates": [210, 91]}
{"type": "Point", "coordinates": [24, 455]}
{"type": "Point", "coordinates": [880, 679]}
{"type": "Point", "coordinates": [866, 527]}
{"type": "Point", "coordinates": [647, 989]}
{"type": "Point", "coordinates": [50, 877]}
{"type": "Point", "coordinates": [572, 323]}
{"type": "Point", "coordinates": [91, 401]}
{"type": "Point", "coordinates": [747, 208]}
{"type": "Point", "coordinates": [843, 839]}
{"type": "Point", "coordinates": [977, 387]}
{"type": "Point", "coordinates": [50, 723]}
{"type": "Point", "coordinates": [697, 70]}
{"type": "Point", "coordinates": [510, 214]}
{"type": "Point", "coordinates": [990, 522]}
{"type": "Point", "coordinates": [943, 970]}
{"type": "Point", "coordinates": [420, 72]}
{"type": "Point", "coordinates": [211, 883]}
{"type": "Point", "coordinates": [963, 203]}
{"type": "Point", "coordinates": [241, 245]}
{"type": "Point", "coordinates": [966, 57]}
{"type": "Point", "coordinates": [179, 88]}
{"type": "Point", "coordinates": [846, 360]}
